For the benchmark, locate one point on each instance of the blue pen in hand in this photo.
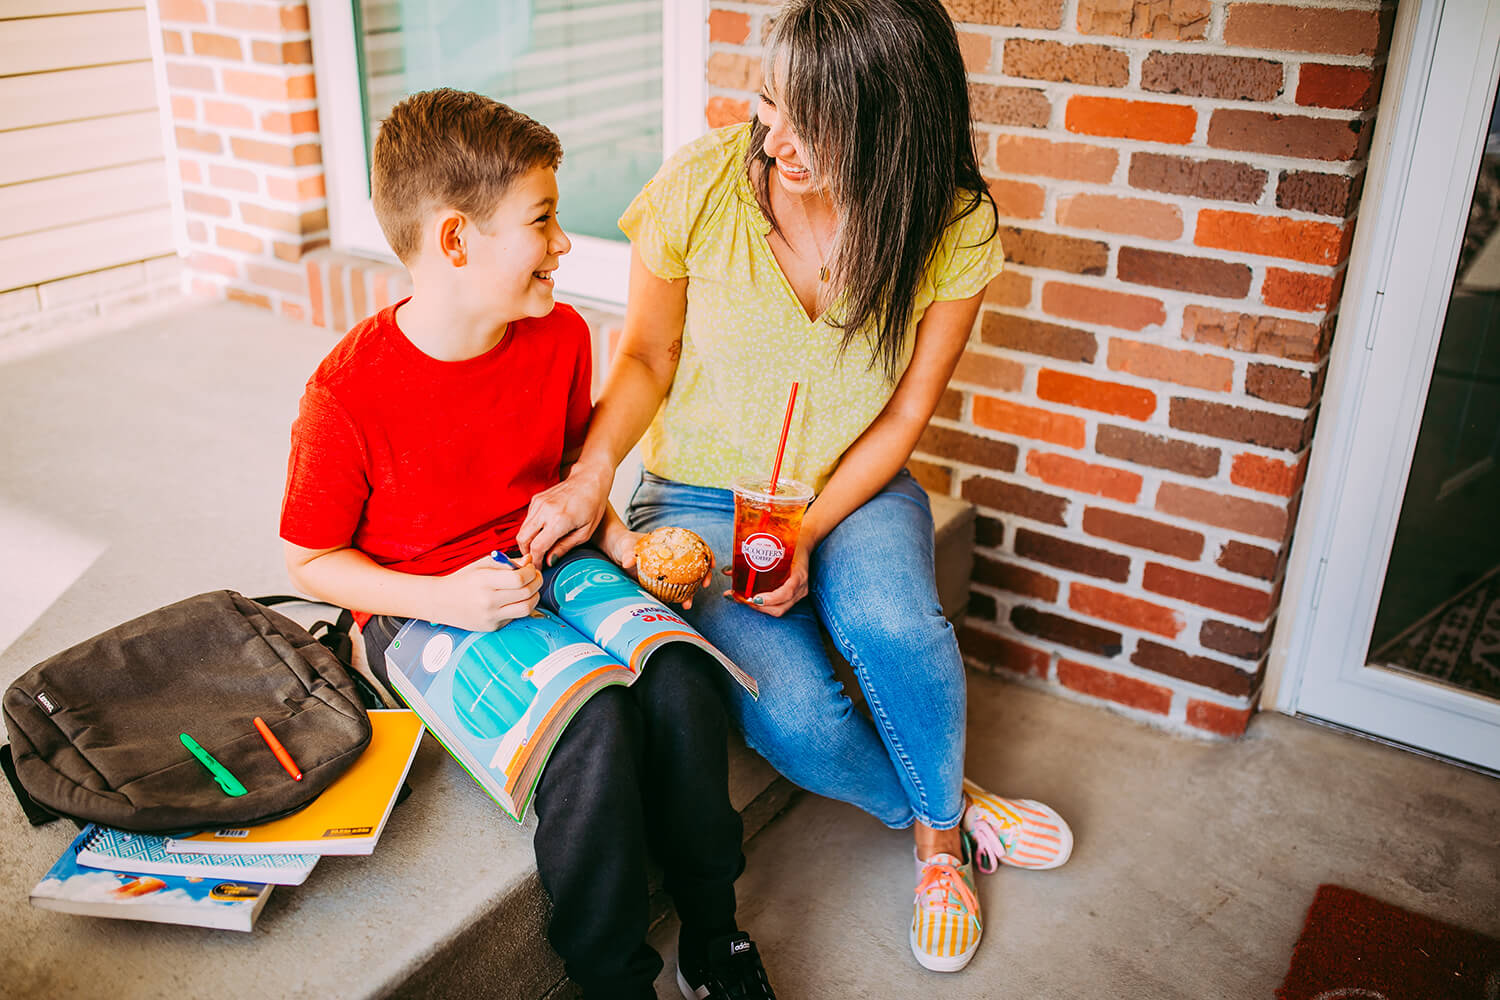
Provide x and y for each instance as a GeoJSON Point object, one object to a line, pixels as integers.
{"type": "Point", "coordinates": [504, 560]}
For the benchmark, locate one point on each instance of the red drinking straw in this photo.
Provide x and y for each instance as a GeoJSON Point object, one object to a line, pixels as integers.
{"type": "Point", "coordinates": [786, 425]}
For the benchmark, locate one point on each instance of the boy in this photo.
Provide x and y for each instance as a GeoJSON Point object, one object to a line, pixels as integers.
{"type": "Point", "coordinates": [419, 444]}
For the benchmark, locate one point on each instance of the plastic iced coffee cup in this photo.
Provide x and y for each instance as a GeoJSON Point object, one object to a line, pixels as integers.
{"type": "Point", "coordinates": [765, 532]}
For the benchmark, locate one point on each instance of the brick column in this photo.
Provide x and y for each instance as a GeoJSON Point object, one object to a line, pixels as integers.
{"type": "Point", "coordinates": [1178, 184]}
{"type": "Point", "coordinates": [245, 109]}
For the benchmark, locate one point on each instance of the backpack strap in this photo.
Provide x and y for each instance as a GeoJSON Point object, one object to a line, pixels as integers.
{"type": "Point", "coordinates": [36, 813]}
{"type": "Point", "coordinates": [338, 637]}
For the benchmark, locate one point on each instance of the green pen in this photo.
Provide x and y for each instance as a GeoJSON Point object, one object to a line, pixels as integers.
{"type": "Point", "coordinates": [227, 781]}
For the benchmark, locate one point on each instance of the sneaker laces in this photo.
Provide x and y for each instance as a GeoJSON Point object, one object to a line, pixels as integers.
{"type": "Point", "coordinates": [990, 841]}
{"type": "Point", "coordinates": [940, 882]}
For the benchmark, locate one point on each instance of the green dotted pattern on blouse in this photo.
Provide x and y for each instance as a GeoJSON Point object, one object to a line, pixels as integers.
{"type": "Point", "coordinates": [747, 338]}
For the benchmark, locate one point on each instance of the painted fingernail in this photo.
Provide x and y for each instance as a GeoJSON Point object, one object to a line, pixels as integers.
{"type": "Point", "coordinates": [759, 599]}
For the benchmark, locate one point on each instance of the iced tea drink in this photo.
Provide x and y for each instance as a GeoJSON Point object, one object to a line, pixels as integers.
{"type": "Point", "coordinates": [765, 532]}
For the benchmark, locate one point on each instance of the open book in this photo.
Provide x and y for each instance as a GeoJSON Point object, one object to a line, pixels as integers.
{"type": "Point", "coordinates": [499, 700]}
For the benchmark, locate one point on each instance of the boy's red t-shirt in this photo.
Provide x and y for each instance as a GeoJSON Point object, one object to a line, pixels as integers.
{"type": "Point", "coordinates": [427, 465]}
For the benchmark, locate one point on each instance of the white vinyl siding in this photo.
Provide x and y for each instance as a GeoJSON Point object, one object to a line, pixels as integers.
{"type": "Point", "coordinates": [83, 178]}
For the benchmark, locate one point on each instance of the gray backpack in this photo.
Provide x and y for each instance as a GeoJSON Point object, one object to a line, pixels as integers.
{"type": "Point", "coordinates": [95, 731]}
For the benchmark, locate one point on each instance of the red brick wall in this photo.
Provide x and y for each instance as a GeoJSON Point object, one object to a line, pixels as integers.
{"type": "Point", "coordinates": [244, 109]}
{"type": "Point", "coordinates": [1177, 183]}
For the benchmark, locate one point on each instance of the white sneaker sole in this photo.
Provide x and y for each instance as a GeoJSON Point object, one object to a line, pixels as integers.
{"type": "Point", "coordinates": [933, 963]}
{"type": "Point", "coordinates": [688, 992]}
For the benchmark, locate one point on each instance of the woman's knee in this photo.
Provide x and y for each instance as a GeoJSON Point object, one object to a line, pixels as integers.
{"type": "Point", "coordinates": [796, 717]}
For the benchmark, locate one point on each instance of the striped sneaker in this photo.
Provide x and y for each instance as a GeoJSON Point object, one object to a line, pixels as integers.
{"type": "Point", "coordinates": [945, 926]}
{"type": "Point", "coordinates": [1019, 832]}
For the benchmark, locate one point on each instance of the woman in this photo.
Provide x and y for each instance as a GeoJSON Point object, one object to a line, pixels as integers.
{"type": "Point", "coordinates": [843, 240]}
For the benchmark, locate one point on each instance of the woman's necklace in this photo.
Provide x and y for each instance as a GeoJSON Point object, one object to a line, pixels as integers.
{"type": "Point", "coordinates": [813, 235]}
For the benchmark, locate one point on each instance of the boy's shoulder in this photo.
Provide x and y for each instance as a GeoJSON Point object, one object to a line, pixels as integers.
{"type": "Point", "coordinates": [366, 348]}
{"type": "Point", "coordinates": [374, 349]}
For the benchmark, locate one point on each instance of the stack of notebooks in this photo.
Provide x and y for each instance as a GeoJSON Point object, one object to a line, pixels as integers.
{"type": "Point", "coordinates": [222, 878]}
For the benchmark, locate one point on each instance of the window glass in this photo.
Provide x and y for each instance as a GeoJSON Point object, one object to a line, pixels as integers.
{"type": "Point", "coordinates": [591, 70]}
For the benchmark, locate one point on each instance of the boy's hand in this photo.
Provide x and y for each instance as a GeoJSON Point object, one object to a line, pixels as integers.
{"type": "Point", "coordinates": [486, 594]}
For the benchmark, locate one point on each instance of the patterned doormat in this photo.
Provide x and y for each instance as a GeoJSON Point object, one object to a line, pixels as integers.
{"type": "Point", "coordinates": [1355, 946]}
{"type": "Point", "coordinates": [1458, 643]}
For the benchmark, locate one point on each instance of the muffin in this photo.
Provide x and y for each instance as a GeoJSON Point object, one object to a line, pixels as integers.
{"type": "Point", "coordinates": [671, 562]}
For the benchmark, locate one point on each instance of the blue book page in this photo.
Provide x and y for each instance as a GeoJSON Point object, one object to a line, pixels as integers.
{"type": "Point", "coordinates": [598, 599]}
{"type": "Point", "coordinates": [498, 700]}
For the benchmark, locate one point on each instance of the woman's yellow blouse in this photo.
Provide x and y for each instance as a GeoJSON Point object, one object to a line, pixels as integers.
{"type": "Point", "coordinates": [747, 338]}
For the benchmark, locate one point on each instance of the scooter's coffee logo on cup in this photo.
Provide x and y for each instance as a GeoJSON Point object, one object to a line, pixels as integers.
{"type": "Point", "coordinates": [762, 551]}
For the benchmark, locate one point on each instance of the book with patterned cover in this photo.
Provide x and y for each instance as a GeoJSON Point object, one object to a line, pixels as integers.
{"type": "Point", "coordinates": [147, 854]}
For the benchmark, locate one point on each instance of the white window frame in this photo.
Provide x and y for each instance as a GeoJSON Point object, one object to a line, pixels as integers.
{"type": "Point", "coordinates": [596, 270]}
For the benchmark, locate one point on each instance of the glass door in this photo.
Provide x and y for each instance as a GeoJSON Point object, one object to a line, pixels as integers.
{"type": "Point", "coordinates": [1439, 612]}
{"type": "Point", "coordinates": [1395, 630]}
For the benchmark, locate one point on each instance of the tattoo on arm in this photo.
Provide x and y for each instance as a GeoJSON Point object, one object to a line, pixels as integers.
{"type": "Point", "coordinates": [674, 350]}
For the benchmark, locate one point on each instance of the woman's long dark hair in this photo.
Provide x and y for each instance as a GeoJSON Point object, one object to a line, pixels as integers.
{"type": "Point", "coordinates": [876, 92]}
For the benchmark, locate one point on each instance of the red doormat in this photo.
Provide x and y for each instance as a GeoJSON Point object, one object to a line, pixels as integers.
{"type": "Point", "coordinates": [1353, 946]}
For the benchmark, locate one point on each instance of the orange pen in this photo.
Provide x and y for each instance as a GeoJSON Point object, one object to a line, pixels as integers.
{"type": "Point", "coordinates": [282, 756]}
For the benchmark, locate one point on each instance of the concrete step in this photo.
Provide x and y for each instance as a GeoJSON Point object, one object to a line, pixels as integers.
{"type": "Point", "coordinates": [144, 465]}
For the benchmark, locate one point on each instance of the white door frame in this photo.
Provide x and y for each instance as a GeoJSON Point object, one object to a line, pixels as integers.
{"type": "Point", "coordinates": [595, 270]}
{"type": "Point", "coordinates": [1431, 134]}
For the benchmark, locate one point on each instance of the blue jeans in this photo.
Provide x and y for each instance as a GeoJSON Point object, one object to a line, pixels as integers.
{"type": "Point", "coordinates": [872, 589]}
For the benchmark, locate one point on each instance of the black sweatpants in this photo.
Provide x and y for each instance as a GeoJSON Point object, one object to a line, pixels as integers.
{"type": "Point", "coordinates": [640, 771]}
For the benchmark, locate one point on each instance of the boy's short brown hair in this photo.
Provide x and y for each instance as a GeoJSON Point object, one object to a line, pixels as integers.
{"type": "Point", "coordinates": [450, 149]}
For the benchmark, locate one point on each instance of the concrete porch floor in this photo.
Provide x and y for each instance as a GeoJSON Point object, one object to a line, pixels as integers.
{"type": "Point", "coordinates": [1190, 878]}
{"type": "Point", "coordinates": [1194, 865]}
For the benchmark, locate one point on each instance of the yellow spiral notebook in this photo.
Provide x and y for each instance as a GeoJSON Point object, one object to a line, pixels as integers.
{"type": "Point", "coordinates": [350, 814]}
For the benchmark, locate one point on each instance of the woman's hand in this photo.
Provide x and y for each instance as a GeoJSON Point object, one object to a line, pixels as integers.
{"type": "Point", "coordinates": [565, 516]}
{"type": "Point", "coordinates": [618, 542]}
{"type": "Point", "coordinates": [779, 601]}
{"type": "Point", "coordinates": [708, 576]}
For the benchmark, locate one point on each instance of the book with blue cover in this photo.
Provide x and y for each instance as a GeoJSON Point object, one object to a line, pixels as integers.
{"type": "Point", "coordinates": [147, 854]}
{"type": "Point", "coordinates": [498, 701]}
{"type": "Point", "coordinates": [227, 904]}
